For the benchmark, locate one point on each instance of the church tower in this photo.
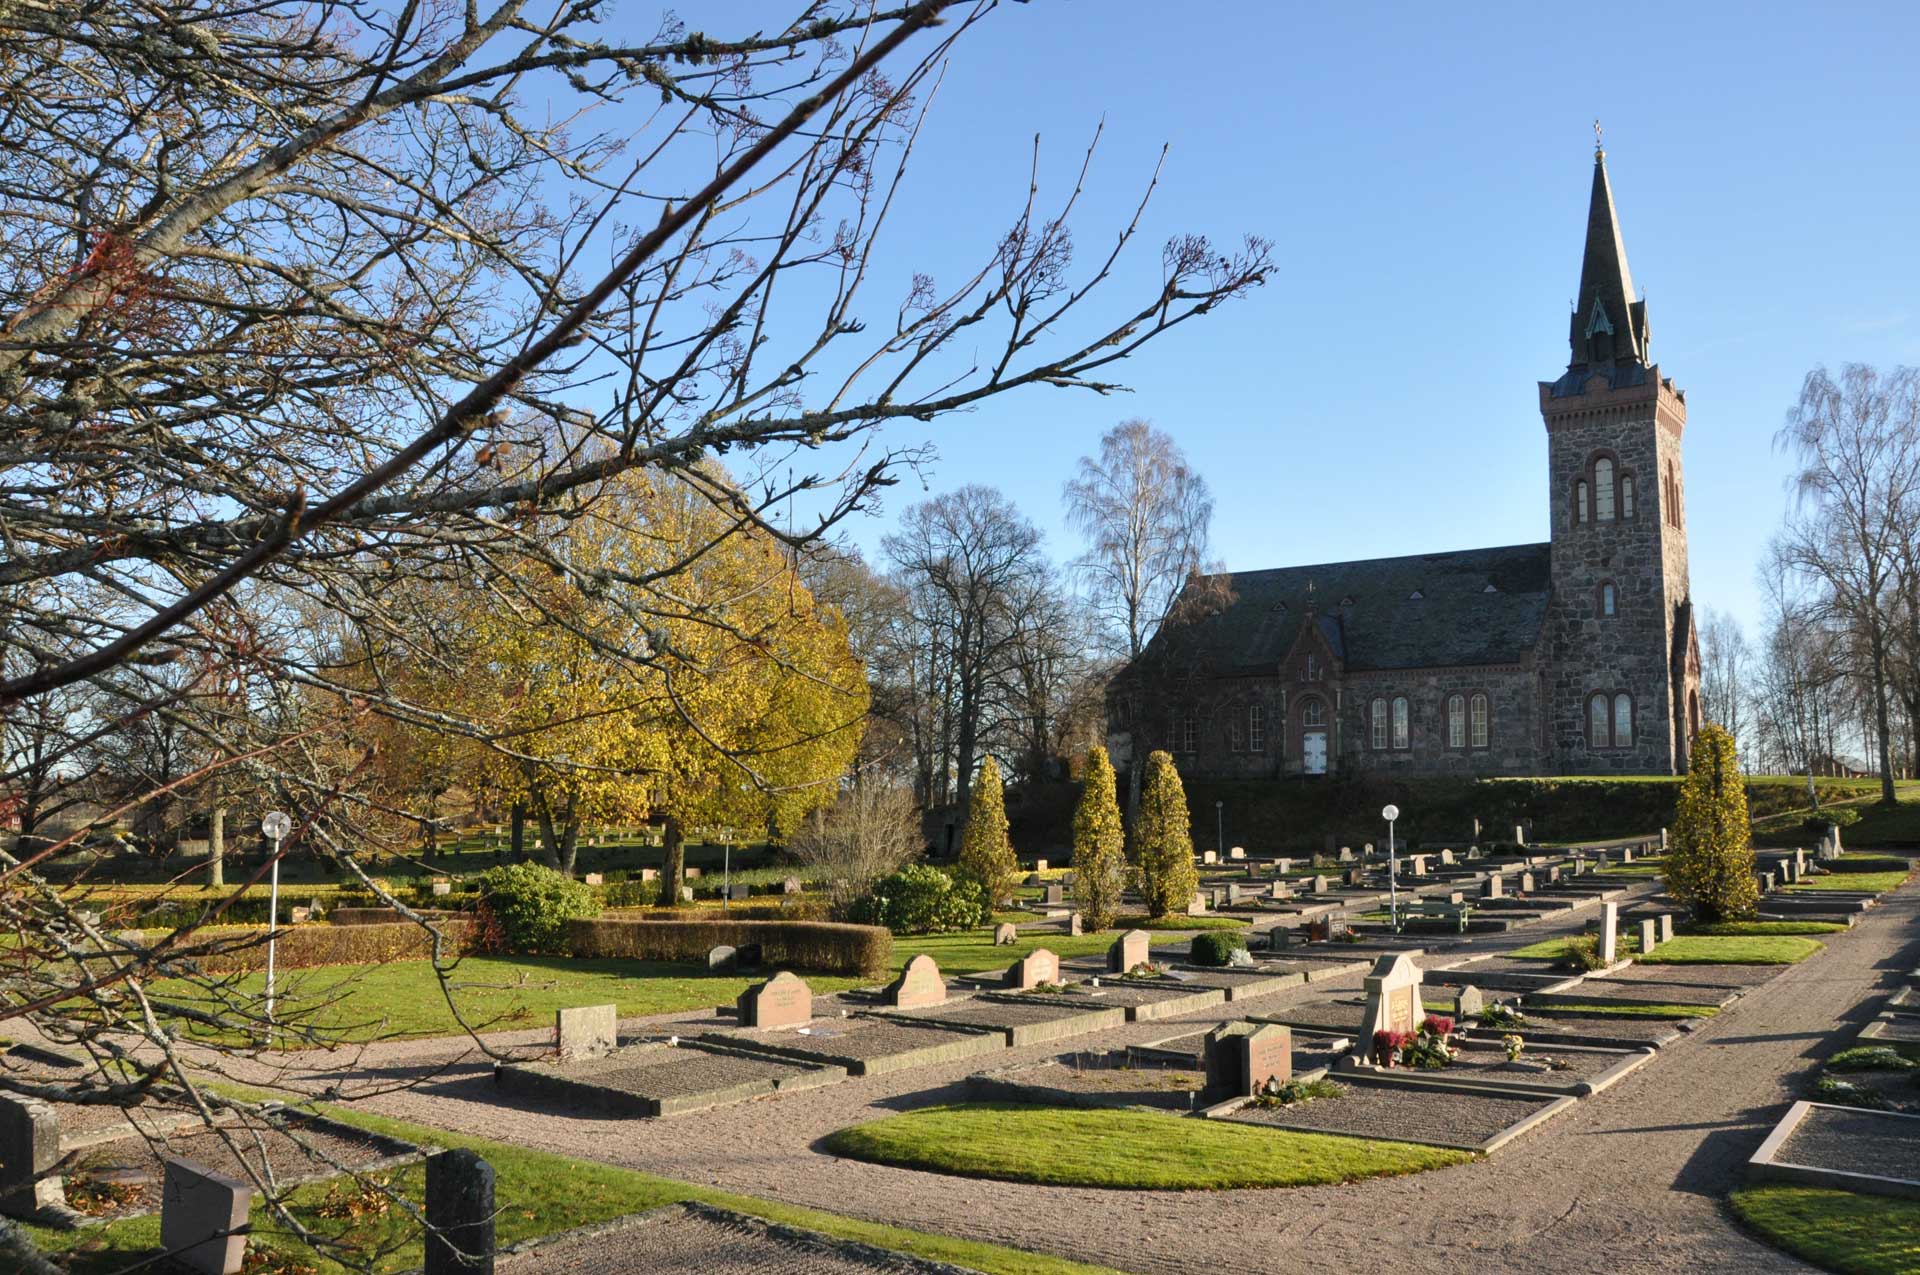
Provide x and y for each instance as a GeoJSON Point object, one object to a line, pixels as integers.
{"type": "Point", "coordinates": [1621, 682]}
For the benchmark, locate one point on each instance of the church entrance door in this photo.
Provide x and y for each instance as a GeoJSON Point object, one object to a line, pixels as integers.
{"type": "Point", "coordinates": [1313, 752]}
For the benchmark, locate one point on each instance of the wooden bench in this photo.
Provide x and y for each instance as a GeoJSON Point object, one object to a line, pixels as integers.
{"type": "Point", "coordinates": [1424, 910]}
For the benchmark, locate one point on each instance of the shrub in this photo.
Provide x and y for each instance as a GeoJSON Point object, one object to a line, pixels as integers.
{"type": "Point", "coordinates": [829, 947]}
{"type": "Point", "coordinates": [243, 949]}
{"type": "Point", "coordinates": [871, 830]}
{"type": "Point", "coordinates": [1162, 843]}
{"type": "Point", "coordinates": [1499, 1015]}
{"type": "Point", "coordinates": [1710, 859]}
{"type": "Point", "coordinates": [1216, 947]}
{"type": "Point", "coordinates": [533, 904]}
{"type": "Point", "coordinates": [1861, 863]}
{"type": "Point", "coordinates": [1816, 824]}
{"type": "Point", "coordinates": [1848, 1094]}
{"type": "Point", "coordinates": [1871, 1058]}
{"type": "Point", "coordinates": [1099, 845]}
{"type": "Point", "coordinates": [985, 853]}
{"type": "Point", "coordinates": [630, 893]}
{"type": "Point", "coordinates": [1583, 952]}
{"type": "Point", "coordinates": [920, 899]}
{"type": "Point", "coordinates": [1295, 1092]}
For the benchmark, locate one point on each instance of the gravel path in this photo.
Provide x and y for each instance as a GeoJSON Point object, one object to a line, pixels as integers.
{"type": "Point", "coordinates": [1633, 1179]}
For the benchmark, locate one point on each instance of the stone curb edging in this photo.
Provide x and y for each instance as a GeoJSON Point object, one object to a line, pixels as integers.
{"type": "Point", "coordinates": [1763, 1166]}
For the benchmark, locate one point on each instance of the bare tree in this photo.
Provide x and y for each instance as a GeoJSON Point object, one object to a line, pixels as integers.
{"type": "Point", "coordinates": [869, 831]}
{"type": "Point", "coordinates": [1857, 442]}
{"type": "Point", "coordinates": [1724, 660]}
{"type": "Point", "coordinates": [1145, 514]}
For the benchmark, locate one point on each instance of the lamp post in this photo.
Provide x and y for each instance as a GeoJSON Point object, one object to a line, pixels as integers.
{"type": "Point", "coordinates": [726, 868]}
{"type": "Point", "coordinates": [276, 826]}
{"type": "Point", "coordinates": [1391, 813]}
{"type": "Point", "coordinates": [1219, 830]}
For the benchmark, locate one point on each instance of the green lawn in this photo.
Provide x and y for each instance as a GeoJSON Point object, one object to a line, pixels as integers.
{"type": "Point", "coordinates": [1733, 949]}
{"type": "Point", "coordinates": [1734, 928]}
{"type": "Point", "coordinates": [1604, 1009]}
{"type": "Point", "coordinates": [1124, 1150]}
{"type": "Point", "coordinates": [405, 998]}
{"type": "Point", "coordinates": [535, 1194]}
{"type": "Point", "coordinates": [1839, 1230]}
{"type": "Point", "coordinates": [1866, 882]}
{"type": "Point", "coordinates": [1209, 922]}
{"type": "Point", "coordinates": [1556, 949]}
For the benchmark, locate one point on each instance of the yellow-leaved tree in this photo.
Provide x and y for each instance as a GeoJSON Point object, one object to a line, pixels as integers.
{"type": "Point", "coordinates": [1099, 844]}
{"type": "Point", "coordinates": [986, 854]}
{"type": "Point", "coordinates": [1710, 860]}
{"type": "Point", "coordinates": [1162, 843]}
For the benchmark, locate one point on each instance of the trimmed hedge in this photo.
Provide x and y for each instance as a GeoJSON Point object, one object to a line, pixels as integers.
{"type": "Point", "coordinates": [1882, 863]}
{"type": "Point", "coordinates": [306, 946]}
{"type": "Point", "coordinates": [1216, 947]}
{"type": "Point", "coordinates": [825, 946]}
{"type": "Point", "coordinates": [800, 908]}
{"type": "Point", "coordinates": [376, 916]}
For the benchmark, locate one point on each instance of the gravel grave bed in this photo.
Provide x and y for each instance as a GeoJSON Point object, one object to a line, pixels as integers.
{"type": "Point", "coordinates": [1606, 989]}
{"type": "Point", "coordinates": [133, 1165]}
{"type": "Point", "coordinates": [1331, 1015]}
{"type": "Point", "coordinates": [857, 1038]}
{"type": "Point", "coordinates": [1853, 1141]}
{"type": "Point", "coordinates": [81, 1117]}
{"type": "Point", "coordinates": [1310, 1053]}
{"type": "Point", "coordinates": [1615, 1026]}
{"type": "Point", "coordinates": [1727, 976]}
{"type": "Point", "coordinates": [1161, 1088]}
{"type": "Point", "coordinates": [1895, 1027]}
{"type": "Point", "coordinates": [1011, 1013]}
{"type": "Point", "coordinates": [692, 1071]}
{"type": "Point", "coordinates": [1489, 1062]}
{"type": "Point", "coordinates": [1507, 965]}
{"type": "Point", "coordinates": [690, 1238]}
{"type": "Point", "coordinates": [1401, 1114]}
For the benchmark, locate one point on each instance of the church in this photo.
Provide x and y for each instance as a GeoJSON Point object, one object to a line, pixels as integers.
{"type": "Point", "coordinates": [1575, 656]}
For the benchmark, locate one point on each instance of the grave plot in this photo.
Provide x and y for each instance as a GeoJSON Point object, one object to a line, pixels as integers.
{"type": "Point", "coordinates": [1382, 1108]}
{"type": "Point", "coordinates": [868, 1045]}
{"type": "Point", "coordinates": [1642, 992]}
{"type": "Point", "coordinates": [1727, 976]}
{"type": "Point", "coordinates": [662, 1079]}
{"type": "Point", "coordinates": [1877, 1152]}
{"type": "Point", "coordinates": [1340, 1016]}
{"type": "Point", "coordinates": [1578, 1070]}
{"type": "Point", "coordinates": [1625, 1030]}
{"type": "Point", "coordinates": [1094, 1080]}
{"type": "Point", "coordinates": [122, 1177]}
{"type": "Point", "coordinates": [1311, 1055]}
{"type": "Point", "coordinates": [1029, 1018]}
{"type": "Point", "coordinates": [1237, 984]}
{"type": "Point", "coordinates": [1876, 1074]}
{"type": "Point", "coordinates": [1145, 999]}
{"type": "Point", "coordinates": [1890, 1029]}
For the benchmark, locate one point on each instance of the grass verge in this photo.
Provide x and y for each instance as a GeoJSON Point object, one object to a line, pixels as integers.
{"type": "Point", "coordinates": [1733, 949]}
{"type": "Point", "coordinates": [536, 1194]}
{"type": "Point", "coordinates": [1126, 1150]}
{"type": "Point", "coordinates": [1601, 1009]}
{"type": "Point", "coordinates": [1839, 1230]}
{"type": "Point", "coordinates": [1864, 882]}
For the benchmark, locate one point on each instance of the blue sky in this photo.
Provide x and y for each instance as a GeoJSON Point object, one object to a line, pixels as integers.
{"type": "Point", "coordinates": [1423, 176]}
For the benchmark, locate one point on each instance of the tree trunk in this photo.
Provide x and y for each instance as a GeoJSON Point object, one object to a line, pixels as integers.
{"type": "Point", "coordinates": [217, 847]}
{"type": "Point", "coordinates": [1877, 652]}
{"type": "Point", "coordinates": [569, 845]}
{"type": "Point", "coordinates": [673, 870]}
{"type": "Point", "coordinates": [549, 838]}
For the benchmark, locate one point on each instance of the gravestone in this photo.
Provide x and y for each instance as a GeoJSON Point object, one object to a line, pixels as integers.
{"type": "Point", "coordinates": [1495, 887]}
{"type": "Point", "coordinates": [1609, 933]}
{"type": "Point", "coordinates": [791, 885]}
{"type": "Point", "coordinates": [587, 1031]}
{"type": "Point", "coordinates": [460, 1212]}
{"type": "Point", "coordinates": [693, 874]}
{"type": "Point", "coordinates": [1581, 867]}
{"type": "Point", "coordinates": [1446, 858]}
{"type": "Point", "coordinates": [1209, 857]}
{"type": "Point", "coordinates": [1055, 893]}
{"type": "Point", "coordinates": [649, 874]}
{"type": "Point", "coordinates": [1036, 967]}
{"type": "Point", "coordinates": [1353, 876]}
{"type": "Point", "coordinates": [1626, 854]}
{"type": "Point", "coordinates": [1519, 835]}
{"type": "Point", "coordinates": [784, 1000]}
{"type": "Point", "coordinates": [1666, 927]}
{"type": "Point", "coordinates": [1663, 841]}
{"type": "Point", "coordinates": [1468, 1003]}
{"type": "Point", "coordinates": [1320, 885]}
{"type": "Point", "coordinates": [1241, 1058]}
{"type": "Point", "coordinates": [1367, 850]}
{"type": "Point", "coordinates": [29, 1148]}
{"type": "Point", "coordinates": [1346, 854]}
{"type": "Point", "coordinates": [1279, 890]}
{"type": "Point", "coordinates": [595, 878]}
{"type": "Point", "coordinates": [199, 1211]}
{"type": "Point", "coordinates": [918, 986]}
{"type": "Point", "coordinates": [1128, 951]}
{"type": "Point", "coordinates": [1333, 924]}
{"type": "Point", "coordinates": [1416, 864]}
{"type": "Point", "coordinates": [1474, 852]}
{"type": "Point", "coordinates": [1393, 997]}
{"type": "Point", "coordinates": [1197, 905]}
{"type": "Point", "coordinates": [686, 894]}
{"type": "Point", "coordinates": [1075, 925]}
{"type": "Point", "coordinates": [1649, 935]}
{"type": "Point", "coordinates": [1233, 894]}
{"type": "Point", "coordinates": [1004, 934]}
{"type": "Point", "coordinates": [1237, 852]}
{"type": "Point", "coordinates": [722, 957]}
{"type": "Point", "coordinates": [1282, 866]}
{"type": "Point", "coordinates": [441, 889]}
{"type": "Point", "coordinates": [1526, 883]}
{"type": "Point", "coordinates": [300, 916]}
{"type": "Point", "coordinates": [747, 957]}
{"type": "Point", "coordinates": [1553, 874]}
{"type": "Point", "coordinates": [738, 892]}
{"type": "Point", "coordinates": [1039, 865]}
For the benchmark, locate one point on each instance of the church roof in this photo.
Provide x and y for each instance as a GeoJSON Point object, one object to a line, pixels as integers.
{"type": "Point", "coordinates": [1467, 607]}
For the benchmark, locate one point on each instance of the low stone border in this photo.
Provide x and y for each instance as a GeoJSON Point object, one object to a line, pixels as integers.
{"type": "Point", "coordinates": [549, 1081]}
{"type": "Point", "coordinates": [977, 1040]}
{"type": "Point", "coordinates": [1553, 1107]}
{"type": "Point", "coordinates": [1765, 1166]}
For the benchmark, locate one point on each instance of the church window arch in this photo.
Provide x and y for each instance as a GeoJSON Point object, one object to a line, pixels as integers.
{"type": "Point", "coordinates": [1580, 501]}
{"type": "Point", "coordinates": [1402, 723]}
{"type": "Point", "coordinates": [1626, 495]}
{"type": "Point", "coordinates": [1456, 721]}
{"type": "Point", "coordinates": [1622, 720]}
{"type": "Point", "coordinates": [1256, 728]}
{"type": "Point", "coordinates": [1604, 490]}
{"type": "Point", "coordinates": [1236, 740]}
{"type": "Point", "coordinates": [1313, 711]}
{"type": "Point", "coordinates": [1478, 712]}
{"type": "Point", "coordinates": [1609, 600]}
{"type": "Point", "coordinates": [1599, 721]}
{"type": "Point", "coordinates": [1378, 714]}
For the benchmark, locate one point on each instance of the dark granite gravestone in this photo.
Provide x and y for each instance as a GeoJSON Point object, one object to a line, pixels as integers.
{"type": "Point", "coordinates": [1241, 1058]}
{"type": "Point", "coordinates": [29, 1149]}
{"type": "Point", "coordinates": [199, 1212]}
{"type": "Point", "coordinates": [1036, 967]}
{"type": "Point", "coordinates": [784, 1000]}
{"type": "Point", "coordinates": [460, 1212]}
{"type": "Point", "coordinates": [1128, 951]}
{"type": "Point", "coordinates": [918, 986]}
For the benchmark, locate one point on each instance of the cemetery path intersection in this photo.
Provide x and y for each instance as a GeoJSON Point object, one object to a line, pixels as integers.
{"type": "Point", "coordinates": [1632, 1179]}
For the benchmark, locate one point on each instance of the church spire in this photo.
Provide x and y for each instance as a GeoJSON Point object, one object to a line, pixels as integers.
{"type": "Point", "coordinates": [1609, 325]}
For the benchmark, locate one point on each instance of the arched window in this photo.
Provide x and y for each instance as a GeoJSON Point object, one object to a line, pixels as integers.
{"type": "Point", "coordinates": [1186, 734]}
{"type": "Point", "coordinates": [1235, 741]}
{"type": "Point", "coordinates": [1609, 600]}
{"type": "Point", "coordinates": [1478, 714]}
{"type": "Point", "coordinates": [1599, 723]}
{"type": "Point", "coordinates": [1603, 489]}
{"type": "Point", "coordinates": [1626, 495]}
{"type": "Point", "coordinates": [1622, 720]}
{"type": "Point", "coordinates": [1313, 712]}
{"type": "Point", "coordinates": [1580, 501]}
{"type": "Point", "coordinates": [1379, 715]}
{"type": "Point", "coordinates": [1256, 728]}
{"type": "Point", "coordinates": [1456, 721]}
{"type": "Point", "coordinates": [1402, 735]}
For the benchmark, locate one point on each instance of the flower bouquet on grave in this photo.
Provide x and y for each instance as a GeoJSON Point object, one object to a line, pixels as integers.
{"type": "Point", "coordinates": [1388, 1046]}
{"type": "Point", "coordinates": [1501, 1015]}
{"type": "Point", "coordinates": [1430, 1049]}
